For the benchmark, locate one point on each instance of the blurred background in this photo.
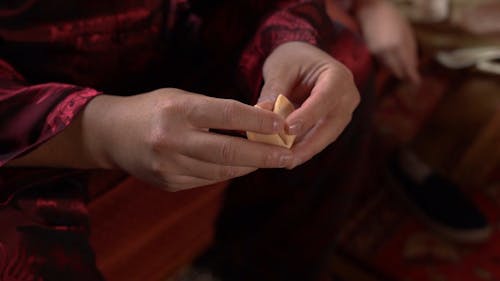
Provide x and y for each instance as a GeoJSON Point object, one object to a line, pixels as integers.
{"type": "Point", "coordinates": [451, 121]}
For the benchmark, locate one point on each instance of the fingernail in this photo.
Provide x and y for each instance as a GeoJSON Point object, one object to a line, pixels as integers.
{"type": "Point", "coordinates": [277, 126]}
{"type": "Point", "coordinates": [295, 128]}
{"type": "Point", "coordinates": [285, 160]}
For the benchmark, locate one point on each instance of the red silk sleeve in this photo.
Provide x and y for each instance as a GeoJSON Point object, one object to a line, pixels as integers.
{"type": "Point", "coordinates": [32, 114]}
{"type": "Point", "coordinates": [305, 21]}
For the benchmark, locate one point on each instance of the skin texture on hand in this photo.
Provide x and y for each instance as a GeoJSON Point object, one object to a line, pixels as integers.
{"type": "Point", "coordinates": [322, 90]}
{"type": "Point", "coordinates": [389, 37]}
{"type": "Point", "coordinates": [163, 137]}
{"type": "Point", "coordinates": [173, 147]}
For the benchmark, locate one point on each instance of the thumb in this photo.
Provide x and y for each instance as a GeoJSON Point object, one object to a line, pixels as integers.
{"type": "Point", "coordinates": [276, 82]}
{"type": "Point", "coordinates": [267, 105]}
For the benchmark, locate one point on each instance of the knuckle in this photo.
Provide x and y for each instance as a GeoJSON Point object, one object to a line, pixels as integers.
{"type": "Point", "coordinates": [271, 159]}
{"type": "Point", "coordinates": [158, 170]}
{"type": "Point", "coordinates": [350, 100]}
{"type": "Point", "coordinates": [156, 141]}
{"type": "Point", "coordinates": [226, 172]}
{"type": "Point", "coordinates": [174, 107]}
{"type": "Point", "coordinates": [348, 75]}
{"type": "Point", "coordinates": [229, 112]}
{"type": "Point", "coordinates": [227, 152]}
{"type": "Point", "coordinates": [163, 135]}
{"type": "Point", "coordinates": [156, 167]}
{"type": "Point", "coordinates": [193, 109]}
{"type": "Point", "coordinates": [154, 144]}
{"type": "Point", "coordinates": [168, 106]}
{"type": "Point", "coordinates": [263, 124]}
{"type": "Point", "coordinates": [342, 72]}
{"type": "Point", "coordinates": [160, 141]}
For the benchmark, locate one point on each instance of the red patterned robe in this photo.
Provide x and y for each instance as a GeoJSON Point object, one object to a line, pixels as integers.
{"type": "Point", "coordinates": [56, 55]}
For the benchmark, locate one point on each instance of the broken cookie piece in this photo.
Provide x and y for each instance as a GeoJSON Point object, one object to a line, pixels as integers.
{"type": "Point", "coordinates": [283, 107]}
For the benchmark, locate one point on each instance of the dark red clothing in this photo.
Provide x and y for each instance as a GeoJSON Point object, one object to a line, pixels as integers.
{"type": "Point", "coordinates": [56, 55]}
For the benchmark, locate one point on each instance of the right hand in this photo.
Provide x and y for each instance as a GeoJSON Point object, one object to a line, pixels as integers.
{"type": "Point", "coordinates": [323, 89]}
{"type": "Point", "coordinates": [163, 137]}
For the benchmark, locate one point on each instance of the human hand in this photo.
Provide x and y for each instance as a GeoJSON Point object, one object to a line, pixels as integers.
{"type": "Point", "coordinates": [322, 90]}
{"type": "Point", "coordinates": [389, 37]}
{"type": "Point", "coordinates": [163, 137]}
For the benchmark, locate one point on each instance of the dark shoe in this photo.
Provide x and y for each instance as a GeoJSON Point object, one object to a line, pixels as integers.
{"type": "Point", "coordinates": [442, 205]}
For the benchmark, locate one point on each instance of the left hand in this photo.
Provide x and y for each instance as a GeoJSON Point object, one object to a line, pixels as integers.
{"type": "Point", "coordinates": [322, 87]}
{"type": "Point", "coordinates": [389, 37]}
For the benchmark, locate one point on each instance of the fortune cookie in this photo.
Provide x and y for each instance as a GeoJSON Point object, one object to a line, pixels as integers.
{"type": "Point", "coordinates": [283, 107]}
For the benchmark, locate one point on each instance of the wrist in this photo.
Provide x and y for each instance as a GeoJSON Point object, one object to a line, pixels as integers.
{"type": "Point", "coordinates": [97, 127]}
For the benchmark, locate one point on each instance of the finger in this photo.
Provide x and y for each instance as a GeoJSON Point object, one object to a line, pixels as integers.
{"type": "Point", "coordinates": [267, 105]}
{"type": "Point", "coordinates": [179, 183]}
{"type": "Point", "coordinates": [411, 63]}
{"type": "Point", "coordinates": [228, 114]}
{"type": "Point", "coordinates": [233, 151]}
{"type": "Point", "coordinates": [415, 77]}
{"type": "Point", "coordinates": [391, 61]}
{"type": "Point", "coordinates": [278, 81]}
{"type": "Point", "coordinates": [210, 171]}
{"type": "Point", "coordinates": [332, 91]}
{"type": "Point", "coordinates": [322, 135]}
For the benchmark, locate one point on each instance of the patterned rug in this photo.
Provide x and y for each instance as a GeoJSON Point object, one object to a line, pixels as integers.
{"type": "Point", "coordinates": [386, 239]}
